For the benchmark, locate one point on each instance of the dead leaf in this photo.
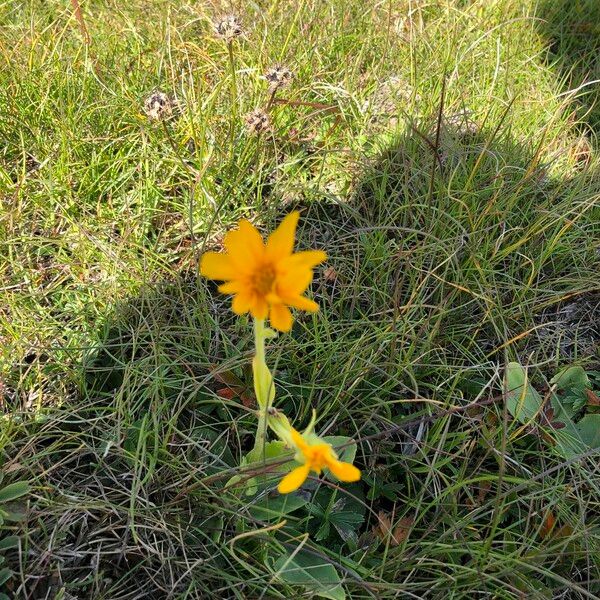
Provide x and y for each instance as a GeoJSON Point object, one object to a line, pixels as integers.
{"type": "Point", "coordinates": [549, 528]}
{"type": "Point", "coordinates": [562, 532]}
{"type": "Point", "coordinates": [330, 274]}
{"type": "Point", "coordinates": [228, 378]}
{"type": "Point", "coordinates": [402, 530]}
{"type": "Point", "coordinates": [234, 388]}
{"type": "Point", "coordinates": [484, 488]}
{"type": "Point", "coordinates": [384, 525]}
{"type": "Point", "coordinates": [248, 399]}
{"type": "Point", "coordinates": [227, 393]}
{"type": "Point", "coordinates": [398, 534]}
{"type": "Point", "coordinates": [592, 398]}
{"type": "Point", "coordinates": [548, 524]}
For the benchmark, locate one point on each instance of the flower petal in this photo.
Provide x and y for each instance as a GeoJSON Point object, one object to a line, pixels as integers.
{"type": "Point", "coordinates": [245, 246]}
{"type": "Point", "coordinates": [281, 317]}
{"type": "Point", "coordinates": [298, 440]}
{"type": "Point", "coordinates": [294, 283]}
{"type": "Point", "coordinates": [273, 298]}
{"type": "Point", "coordinates": [343, 471]}
{"type": "Point", "coordinates": [293, 480]}
{"type": "Point", "coordinates": [281, 242]}
{"type": "Point", "coordinates": [231, 287]}
{"type": "Point", "coordinates": [301, 303]}
{"type": "Point", "coordinates": [217, 266]}
{"type": "Point", "coordinates": [307, 259]}
{"type": "Point", "coordinates": [242, 302]}
{"type": "Point", "coordinates": [260, 308]}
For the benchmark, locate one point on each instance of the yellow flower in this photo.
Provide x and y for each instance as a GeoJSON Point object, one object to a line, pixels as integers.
{"type": "Point", "coordinates": [315, 457]}
{"type": "Point", "coordinates": [266, 279]}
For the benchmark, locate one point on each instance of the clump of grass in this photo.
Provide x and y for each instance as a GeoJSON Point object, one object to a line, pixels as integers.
{"type": "Point", "coordinates": [457, 218]}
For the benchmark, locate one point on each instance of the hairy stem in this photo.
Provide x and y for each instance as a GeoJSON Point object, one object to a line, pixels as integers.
{"type": "Point", "coordinates": [261, 430]}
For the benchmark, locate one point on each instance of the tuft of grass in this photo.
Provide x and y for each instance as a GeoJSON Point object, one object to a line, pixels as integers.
{"type": "Point", "coordinates": [440, 160]}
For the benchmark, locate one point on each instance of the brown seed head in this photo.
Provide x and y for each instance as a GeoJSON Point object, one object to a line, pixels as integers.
{"type": "Point", "coordinates": [257, 122]}
{"type": "Point", "coordinates": [158, 106]}
{"type": "Point", "coordinates": [228, 28]}
{"type": "Point", "coordinates": [278, 77]}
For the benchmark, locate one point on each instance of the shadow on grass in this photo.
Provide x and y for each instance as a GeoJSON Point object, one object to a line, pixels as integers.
{"type": "Point", "coordinates": [572, 29]}
{"type": "Point", "coordinates": [438, 259]}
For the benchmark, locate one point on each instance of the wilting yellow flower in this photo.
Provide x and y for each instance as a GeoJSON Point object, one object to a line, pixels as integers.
{"type": "Point", "coordinates": [315, 457]}
{"type": "Point", "coordinates": [266, 279]}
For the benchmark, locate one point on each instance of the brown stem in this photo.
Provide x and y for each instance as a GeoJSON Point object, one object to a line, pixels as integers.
{"type": "Point", "coordinates": [81, 21]}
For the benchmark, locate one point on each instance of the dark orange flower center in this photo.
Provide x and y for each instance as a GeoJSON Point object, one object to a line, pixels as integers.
{"type": "Point", "coordinates": [317, 456]}
{"type": "Point", "coordinates": [263, 279]}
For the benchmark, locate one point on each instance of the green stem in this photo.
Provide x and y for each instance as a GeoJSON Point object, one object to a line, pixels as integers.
{"type": "Point", "coordinates": [261, 430]}
{"type": "Point", "coordinates": [259, 339]}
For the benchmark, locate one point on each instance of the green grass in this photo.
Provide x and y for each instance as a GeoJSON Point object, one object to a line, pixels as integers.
{"type": "Point", "coordinates": [454, 247]}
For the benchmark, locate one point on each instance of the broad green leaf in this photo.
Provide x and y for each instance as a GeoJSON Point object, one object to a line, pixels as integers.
{"type": "Point", "coordinates": [589, 430]}
{"type": "Point", "coordinates": [5, 575]}
{"type": "Point", "coordinates": [15, 516]}
{"type": "Point", "coordinates": [345, 521]}
{"type": "Point", "coordinates": [571, 377]}
{"type": "Point", "coordinates": [571, 384]}
{"type": "Point", "coordinates": [575, 439]}
{"type": "Point", "coordinates": [11, 541]}
{"type": "Point", "coordinates": [270, 506]}
{"type": "Point", "coordinates": [377, 487]}
{"type": "Point", "coordinates": [14, 491]}
{"type": "Point", "coordinates": [273, 452]}
{"type": "Point", "coordinates": [522, 401]}
{"type": "Point", "coordinates": [344, 511]}
{"type": "Point", "coordinates": [312, 572]}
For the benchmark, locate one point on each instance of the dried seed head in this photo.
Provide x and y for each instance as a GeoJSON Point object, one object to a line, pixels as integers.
{"type": "Point", "coordinates": [158, 106]}
{"type": "Point", "coordinates": [258, 122]}
{"type": "Point", "coordinates": [228, 28]}
{"type": "Point", "coordinates": [278, 77]}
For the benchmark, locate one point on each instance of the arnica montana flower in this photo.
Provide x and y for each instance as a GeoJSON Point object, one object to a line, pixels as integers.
{"type": "Point", "coordinates": [315, 457]}
{"type": "Point", "coordinates": [265, 279]}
